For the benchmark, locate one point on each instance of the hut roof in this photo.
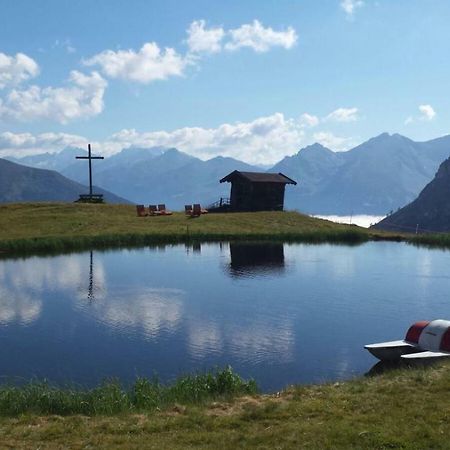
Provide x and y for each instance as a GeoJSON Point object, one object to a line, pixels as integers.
{"type": "Point", "coordinates": [258, 177]}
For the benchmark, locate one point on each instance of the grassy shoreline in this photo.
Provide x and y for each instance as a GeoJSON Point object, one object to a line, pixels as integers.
{"type": "Point", "coordinates": [32, 228]}
{"type": "Point", "coordinates": [404, 408]}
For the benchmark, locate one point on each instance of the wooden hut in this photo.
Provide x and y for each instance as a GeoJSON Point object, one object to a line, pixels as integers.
{"type": "Point", "coordinates": [257, 191]}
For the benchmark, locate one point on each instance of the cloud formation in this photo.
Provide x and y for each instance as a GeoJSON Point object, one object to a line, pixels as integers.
{"type": "Point", "coordinates": [427, 111]}
{"type": "Point", "coordinates": [343, 115]}
{"type": "Point", "coordinates": [260, 39]}
{"type": "Point", "coordinates": [27, 143]}
{"type": "Point", "coordinates": [82, 98]}
{"type": "Point", "coordinates": [202, 40]}
{"type": "Point", "coordinates": [148, 64]}
{"type": "Point", "coordinates": [335, 143]}
{"type": "Point", "coordinates": [309, 120]}
{"type": "Point", "coordinates": [16, 69]}
{"type": "Point", "coordinates": [349, 6]}
{"type": "Point", "coordinates": [264, 140]}
{"type": "Point", "coordinates": [427, 114]}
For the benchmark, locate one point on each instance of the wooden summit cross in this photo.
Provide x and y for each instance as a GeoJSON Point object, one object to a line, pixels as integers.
{"type": "Point", "coordinates": [90, 198]}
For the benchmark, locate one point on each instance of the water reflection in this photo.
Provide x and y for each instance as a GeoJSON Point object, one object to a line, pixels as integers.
{"type": "Point", "coordinates": [17, 307]}
{"type": "Point", "coordinates": [96, 286]}
{"type": "Point", "coordinates": [260, 341]}
{"type": "Point", "coordinates": [25, 283]}
{"type": "Point", "coordinates": [174, 310]}
{"type": "Point", "coordinates": [256, 259]}
{"type": "Point", "coordinates": [153, 311]}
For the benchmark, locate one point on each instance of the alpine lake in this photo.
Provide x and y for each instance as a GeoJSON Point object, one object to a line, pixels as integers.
{"type": "Point", "coordinates": [279, 313]}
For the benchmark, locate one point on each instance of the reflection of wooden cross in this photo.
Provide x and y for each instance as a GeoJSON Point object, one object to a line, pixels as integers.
{"type": "Point", "coordinates": [91, 279]}
{"type": "Point", "coordinates": [90, 158]}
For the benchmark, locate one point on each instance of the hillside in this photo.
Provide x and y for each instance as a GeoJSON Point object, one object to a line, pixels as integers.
{"type": "Point", "coordinates": [429, 212]}
{"type": "Point", "coordinates": [26, 184]}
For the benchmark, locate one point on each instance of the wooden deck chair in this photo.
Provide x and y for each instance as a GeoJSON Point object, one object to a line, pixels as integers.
{"type": "Point", "coordinates": [140, 210]}
{"type": "Point", "coordinates": [188, 210]}
{"type": "Point", "coordinates": [163, 211]}
{"type": "Point", "coordinates": [153, 210]}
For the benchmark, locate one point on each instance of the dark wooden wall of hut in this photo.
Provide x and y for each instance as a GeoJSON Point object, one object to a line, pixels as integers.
{"type": "Point", "coordinates": [250, 196]}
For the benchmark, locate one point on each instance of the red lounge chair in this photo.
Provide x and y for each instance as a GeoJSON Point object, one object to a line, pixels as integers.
{"type": "Point", "coordinates": [163, 211]}
{"type": "Point", "coordinates": [153, 210]}
{"type": "Point", "coordinates": [140, 210]}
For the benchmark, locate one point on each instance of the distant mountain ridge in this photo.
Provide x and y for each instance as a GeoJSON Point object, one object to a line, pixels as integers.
{"type": "Point", "coordinates": [430, 211]}
{"type": "Point", "coordinates": [380, 175]}
{"type": "Point", "coordinates": [25, 184]}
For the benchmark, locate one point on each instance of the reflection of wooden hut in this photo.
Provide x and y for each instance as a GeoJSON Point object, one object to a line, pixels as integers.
{"type": "Point", "coordinates": [249, 259]}
{"type": "Point", "coordinates": [257, 191]}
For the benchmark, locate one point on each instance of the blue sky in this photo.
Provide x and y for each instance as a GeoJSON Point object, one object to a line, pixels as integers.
{"type": "Point", "coordinates": [255, 80]}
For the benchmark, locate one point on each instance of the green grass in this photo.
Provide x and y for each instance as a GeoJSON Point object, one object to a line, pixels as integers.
{"type": "Point", "coordinates": [403, 409]}
{"type": "Point", "coordinates": [110, 398]}
{"type": "Point", "coordinates": [60, 227]}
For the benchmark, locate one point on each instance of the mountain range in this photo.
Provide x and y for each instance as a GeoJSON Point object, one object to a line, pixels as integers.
{"type": "Point", "coordinates": [430, 211]}
{"type": "Point", "coordinates": [376, 177]}
{"type": "Point", "coordinates": [20, 183]}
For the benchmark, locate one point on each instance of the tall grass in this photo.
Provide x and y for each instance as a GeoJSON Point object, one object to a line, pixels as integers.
{"type": "Point", "coordinates": [110, 398]}
{"type": "Point", "coordinates": [441, 240]}
{"type": "Point", "coordinates": [62, 244]}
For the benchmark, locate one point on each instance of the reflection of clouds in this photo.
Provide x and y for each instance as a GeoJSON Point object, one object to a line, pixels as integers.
{"type": "Point", "coordinates": [153, 310]}
{"type": "Point", "coordinates": [204, 338]}
{"type": "Point", "coordinates": [25, 282]}
{"type": "Point", "coordinates": [55, 273]}
{"type": "Point", "coordinates": [343, 362]}
{"type": "Point", "coordinates": [16, 307]}
{"type": "Point", "coordinates": [263, 342]}
{"type": "Point", "coordinates": [424, 265]}
{"type": "Point", "coordinates": [343, 264]}
{"type": "Point", "coordinates": [260, 342]}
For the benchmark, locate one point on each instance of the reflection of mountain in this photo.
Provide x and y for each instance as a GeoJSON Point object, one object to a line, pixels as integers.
{"type": "Point", "coordinates": [252, 259]}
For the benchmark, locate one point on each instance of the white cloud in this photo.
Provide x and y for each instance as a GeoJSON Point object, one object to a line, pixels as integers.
{"type": "Point", "coordinates": [309, 120]}
{"type": "Point", "coordinates": [349, 6]}
{"type": "Point", "coordinates": [335, 143]}
{"type": "Point", "coordinates": [427, 111]}
{"type": "Point", "coordinates": [15, 69]}
{"type": "Point", "coordinates": [64, 44]}
{"type": "Point", "coordinates": [264, 140]}
{"type": "Point", "coordinates": [343, 115]}
{"type": "Point", "coordinates": [427, 114]}
{"type": "Point", "coordinates": [146, 65]}
{"type": "Point", "coordinates": [83, 98]}
{"type": "Point", "coordinates": [260, 39]}
{"type": "Point", "coordinates": [22, 144]}
{"type": "Point", "coordinates": [202, 40]}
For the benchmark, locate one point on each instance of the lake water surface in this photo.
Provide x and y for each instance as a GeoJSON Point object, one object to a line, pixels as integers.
{"type": "Point", "coordinates": [279, 313]}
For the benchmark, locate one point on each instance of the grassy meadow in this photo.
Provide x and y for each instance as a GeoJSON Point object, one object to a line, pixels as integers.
{"type": "Point", "coordinates": [53, 227]}
{"type": "Point", "coordinates": [404, 409]}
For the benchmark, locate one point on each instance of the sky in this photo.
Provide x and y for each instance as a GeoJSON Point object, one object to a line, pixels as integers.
{"type": "Point", "coordinates": [255, 80]}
